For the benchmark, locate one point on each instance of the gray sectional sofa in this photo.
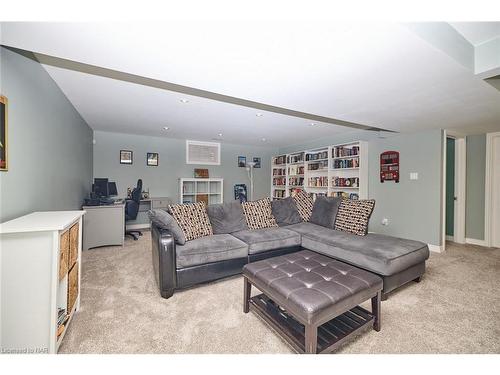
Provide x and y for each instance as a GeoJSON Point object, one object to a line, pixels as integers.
{"type": "Point", "coordinates": [178, 266]}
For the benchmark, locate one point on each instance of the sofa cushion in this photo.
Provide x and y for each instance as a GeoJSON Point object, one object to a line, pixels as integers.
{"type": "Point", "coordinates": [353, 216]}
{"type": "Point", "coordinates": [226, 217]}
{"type": "Point", "coordinates": [304, 204]}
{"type": "Point", "coordinates": [210, 249]}
{"type": "Point", "coordinates": [384, 255]}
{"type": "Point", "coordinates": [268, 239]}
{"type": "Point", "coordinates": [285, 211]}
{"type": "Point", "coordinates": [258, 214]}
{"type": "Point", "coordinates": [192, 219]}
{"type": "Point", "coordinates": [325, 210]}
{"type": "Point", "coordinates": [164, 220]}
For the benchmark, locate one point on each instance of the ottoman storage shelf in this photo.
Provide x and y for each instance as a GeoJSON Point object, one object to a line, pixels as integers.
{"type": "Point", "coordinates": [311, 300]}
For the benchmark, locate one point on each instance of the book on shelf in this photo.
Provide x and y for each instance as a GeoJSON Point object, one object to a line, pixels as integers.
{"type": "Point", "coordinates": [319, 181]}
{"type": "Point", "coordinates": [281, 159]}
{"type": "Point", "coordinates": [317, 155]}
{"type": "Point", "coordinates": [295, 181]}
{"type": "Point", "coordinates": [320, 165]}
{"type": "Point", "coordinates": [344, 194]}
{"type": "Point", "coordinates": [279, 171]}
{"type": "Point", "coordinates": [295, 158]}
{"type": "Point", "coordinates": [345, 182]}
{"type": "Point", "coordinates": [295, 169]}
{"type": "Point", "coordinates": [343, 151]}
{"type": "Point", "coordinates": [279, 181]}
{"type": "Point", "coordinates": [345, 163]}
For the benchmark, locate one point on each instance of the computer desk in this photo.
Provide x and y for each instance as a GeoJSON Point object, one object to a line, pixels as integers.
{"type": "Point", "coordinates": [105, 225]}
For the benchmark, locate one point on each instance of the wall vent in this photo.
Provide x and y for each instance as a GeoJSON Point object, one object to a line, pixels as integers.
{"type": "Point", "coordinates": [207, 153]}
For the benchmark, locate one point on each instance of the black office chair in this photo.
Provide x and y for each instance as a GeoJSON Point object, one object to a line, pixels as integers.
{"type": "Point", "coordinates": [132, 208]}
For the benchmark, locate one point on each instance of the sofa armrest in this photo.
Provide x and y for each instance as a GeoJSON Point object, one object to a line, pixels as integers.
{"type": "Point", "coordinates": [163, 248]}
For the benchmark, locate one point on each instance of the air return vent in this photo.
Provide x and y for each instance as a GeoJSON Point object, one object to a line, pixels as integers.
{"type": "Point", "coordinates": [202, 153]}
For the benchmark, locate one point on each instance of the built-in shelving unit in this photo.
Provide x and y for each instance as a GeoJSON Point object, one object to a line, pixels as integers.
{"type": "Point", "coordinates": [337, 170]}
{"type": "Point", "coordinates": [208, 190]}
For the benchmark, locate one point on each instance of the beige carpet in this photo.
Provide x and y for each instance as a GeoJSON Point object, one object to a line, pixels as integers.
{"type": "Point", "coordinates": [455, 309]}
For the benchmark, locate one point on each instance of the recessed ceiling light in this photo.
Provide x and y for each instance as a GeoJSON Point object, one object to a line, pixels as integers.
{"type": "Point", "coordinates": [259, 114]}
{"type": "Point", "coordinates": [220, 134]}
{"type": "Point", "coordinates": [263, 139]}
{"type": "Point", "coordinates": [166, 128]}
{"type": "Point", "coordinates": [184, 101]}
{"type": "Point", "coordinates": [312, 124]}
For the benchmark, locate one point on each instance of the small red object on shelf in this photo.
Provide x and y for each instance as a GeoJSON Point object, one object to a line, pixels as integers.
{"type": "Point", "coordinates": [389, 166]}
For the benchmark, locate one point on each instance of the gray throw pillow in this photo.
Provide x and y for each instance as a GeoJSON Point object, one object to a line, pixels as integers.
{"type": "Point", "coordinates": [285, 212]}
{"type": "Point", "coordinates": [164, 220]}
{"type": "Point", "coordinates": [226, 218]}
{"type": "Point", "coordinates": [325, 211]}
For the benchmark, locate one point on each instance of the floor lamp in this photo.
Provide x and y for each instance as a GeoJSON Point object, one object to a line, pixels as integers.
{"type": "Point", "coordinates": [250, 165]}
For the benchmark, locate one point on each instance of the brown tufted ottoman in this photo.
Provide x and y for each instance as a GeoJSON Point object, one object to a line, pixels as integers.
{"type": "Point", "coordinates": [312, 300]}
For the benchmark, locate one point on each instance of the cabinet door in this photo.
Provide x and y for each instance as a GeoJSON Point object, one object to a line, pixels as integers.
{"type": "Point", "coordinates": [72, 287]}
{"type": "Point", "coordinates": [73, 244]}
{"type": "Point", "coordinates": [63, 254]}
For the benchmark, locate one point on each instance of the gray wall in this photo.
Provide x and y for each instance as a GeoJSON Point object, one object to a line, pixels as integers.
{"type": "Point", "coordinates": [475, 185]}
{"type": "Point", "coordinates": [412, 207]}
{"type": "Point", "coordinates": [162, 181]}
{"type": "Point", "coordinates": [50, 145]}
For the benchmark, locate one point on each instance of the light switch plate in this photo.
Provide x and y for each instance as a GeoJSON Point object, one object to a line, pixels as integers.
{"type": "Point", "coordinates": [414, 176]}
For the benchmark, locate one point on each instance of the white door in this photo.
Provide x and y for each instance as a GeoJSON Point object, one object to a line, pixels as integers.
{"type": "Point", "coordinates": [495, 193]}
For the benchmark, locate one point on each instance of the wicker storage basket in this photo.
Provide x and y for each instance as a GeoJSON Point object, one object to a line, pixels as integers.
{"type": "Point", "coordinates": [73, 245]}
{"type": "Point", "coordinates": [63, 254]}
{"type": "Point", "coordinates": [72, 287]}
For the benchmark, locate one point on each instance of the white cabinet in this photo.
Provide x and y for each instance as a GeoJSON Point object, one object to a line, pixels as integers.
{"type": "Point", "coordinates": [208, 190]}
{"type": "Point", "coordinates": [40, 268]}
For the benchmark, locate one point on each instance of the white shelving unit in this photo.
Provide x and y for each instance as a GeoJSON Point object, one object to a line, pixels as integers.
{"type": "Point", "coordinates": [210, 190]}
{"type": "Point", "coordinates": [40, 272]}
{"type": "Point", "coordinates": [340, 169]}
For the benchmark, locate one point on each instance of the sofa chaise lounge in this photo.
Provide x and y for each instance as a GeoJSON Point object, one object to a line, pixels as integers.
{"type": "Point", "coordinates": [209, 258]}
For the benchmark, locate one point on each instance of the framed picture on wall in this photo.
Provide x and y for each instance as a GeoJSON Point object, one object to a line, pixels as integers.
{"type": "Point", "coordinates": [257, 162]}
{"type": "Point", "coordinates": [126, 157]}
{"type": "Point", "coordinates": [152, 159]}
{"type": "Point", "coordinates": [242, 161]}
{"type": "Point", "coordinates": [3, 134]}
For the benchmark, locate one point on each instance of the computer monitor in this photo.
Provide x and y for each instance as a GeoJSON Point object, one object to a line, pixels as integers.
{"type": "Point", "coordinates": [101, 187]}
{"type": "Point", "coordinates": [112, 189]}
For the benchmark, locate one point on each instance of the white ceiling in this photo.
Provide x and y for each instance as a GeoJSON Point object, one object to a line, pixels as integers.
{"type": "Point", "coordinates": [379, 75]}
{"type": "Point", "coordinates": [477, 32]}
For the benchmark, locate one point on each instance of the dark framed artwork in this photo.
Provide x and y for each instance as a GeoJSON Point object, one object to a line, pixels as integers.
{"type": "Point", "coordinates": [152, 159]}
{"type": "Point", "coordinates": [126, 157]}
{"type": "Point", "coordinates": [242, 161]}
{"type": "Point", "coordinates": [4, 165]}
{"type": "Point", "coordinates": [257, 162]}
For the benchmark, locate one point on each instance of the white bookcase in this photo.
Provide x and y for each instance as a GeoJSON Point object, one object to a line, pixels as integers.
{"type": "Point", "coordinates": [209, 190]}
{"type": "Point", "coordinates": [334, 170]}
{"type": "Point", "coordinates": [40, 268]}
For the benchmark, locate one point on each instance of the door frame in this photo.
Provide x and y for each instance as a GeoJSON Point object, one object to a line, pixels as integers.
{"type": "Point", "coordinates": [489, 218]}
{"type": "Point", "coordinates": [460, 186]}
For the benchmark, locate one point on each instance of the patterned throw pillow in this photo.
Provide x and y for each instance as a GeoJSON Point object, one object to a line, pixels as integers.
{"type": "Point", "coordinates": [258, 214]}
{"type": "Point", "coordinates": [353, 216]}
{"type": "Point", "coordinates": [304, 203]}
{"type": "Point", "coordinates": [192, 219]}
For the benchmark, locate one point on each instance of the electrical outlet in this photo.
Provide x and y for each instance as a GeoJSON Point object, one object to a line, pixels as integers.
{"type": "Point", "coordinates": [414, 176]}
{"type": "Point", "coordinates": [385, 221]}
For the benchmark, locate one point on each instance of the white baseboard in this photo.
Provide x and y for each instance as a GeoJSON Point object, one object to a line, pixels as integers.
{"type": "Point", "coordinates": [436, 248]}
{"type": "Point", "coordinates": [138, 226]}
{"type": "Point", "coordinates": [450, 238]}
{"type": "Point", "coordinates": [473, 241]}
